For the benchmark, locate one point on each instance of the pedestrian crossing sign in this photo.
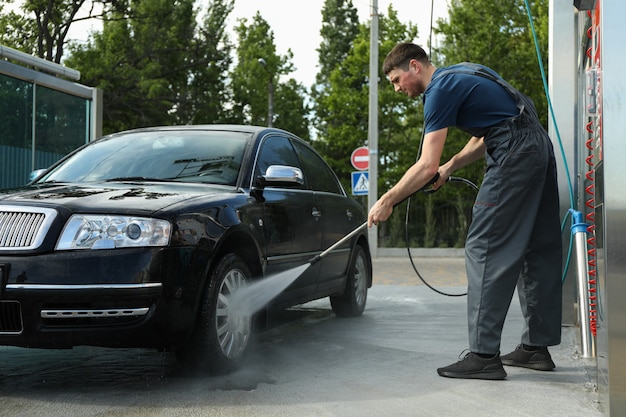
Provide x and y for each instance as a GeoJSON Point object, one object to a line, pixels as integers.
{"type": "Point", "coordinates": [360, 183]}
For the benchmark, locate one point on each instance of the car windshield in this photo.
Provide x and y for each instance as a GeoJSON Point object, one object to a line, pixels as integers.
{"type": "Point", "coordinates": [188, 156]}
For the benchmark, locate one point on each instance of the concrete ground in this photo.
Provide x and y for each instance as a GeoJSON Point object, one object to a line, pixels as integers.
{"type": "Point", "coordinates": [382, 364]}
{"type": "Point", "coordinates": [569, 390]}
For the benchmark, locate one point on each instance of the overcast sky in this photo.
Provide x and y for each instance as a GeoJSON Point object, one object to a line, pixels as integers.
{"type": "Point", "coordinates": [297, 23]}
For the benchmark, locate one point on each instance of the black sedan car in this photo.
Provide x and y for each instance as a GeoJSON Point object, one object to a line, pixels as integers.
{"type": "Point", "coordinates": [139, 239]}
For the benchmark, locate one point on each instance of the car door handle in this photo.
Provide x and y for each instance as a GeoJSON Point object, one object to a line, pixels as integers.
{"type": "Point", "coordinates": [316, 213]}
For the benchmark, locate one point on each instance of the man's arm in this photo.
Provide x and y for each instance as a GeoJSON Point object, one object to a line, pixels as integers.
{"type": "Point", "coordinates": [413, 179]}
{"type": "Point", "coordinates": [473, 150]}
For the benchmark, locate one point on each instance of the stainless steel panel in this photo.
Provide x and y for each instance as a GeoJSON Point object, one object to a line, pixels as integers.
{"type": "Point", "coordinates": [612, 342]}
{"type": "Point", "coordinates": [562, 74]}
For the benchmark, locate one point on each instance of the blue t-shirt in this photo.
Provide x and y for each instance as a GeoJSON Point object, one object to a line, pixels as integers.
{"type": "Point", "coordinates": [467, 101]}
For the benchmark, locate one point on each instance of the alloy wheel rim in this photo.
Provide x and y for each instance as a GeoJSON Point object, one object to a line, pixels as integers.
{"type": "Point", "coordinates": [360, 280]}
{"type": "Point", "coordinates": [233, 328]}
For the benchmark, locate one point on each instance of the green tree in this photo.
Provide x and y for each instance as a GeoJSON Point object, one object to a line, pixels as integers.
{"type": "Point", "coordinates": [291, 111]}
{"type": "Point", "coordinates": [204, 98]}
{"type": "Point", "coordinates": [141, 62]}
{"type": "Point", "coordinates": [257, 81]}
{"type": "Point", "coordinates": [340, 27]}
{"type": "Point", "coordinates": [496, 34]}
{"type": "Point", "coordinates": [43, 26]}
{"type": "Point", "coordinates": [400, 132]}
{"type": "Point", "coordinates": [342, 108]}
{"type": "Point", "coordinates": [16, 30]}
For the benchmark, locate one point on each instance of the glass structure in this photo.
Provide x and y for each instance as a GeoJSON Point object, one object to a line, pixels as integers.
{"type": "Point", "coordinates": [43, 118]}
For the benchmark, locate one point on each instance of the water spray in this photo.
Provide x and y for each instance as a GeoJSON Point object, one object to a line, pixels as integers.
{"type": "Point", "coordinates": [249, 299]}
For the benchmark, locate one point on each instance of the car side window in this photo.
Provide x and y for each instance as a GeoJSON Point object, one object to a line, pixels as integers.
{"type": "Point", "coordinates": [275, 150]}
{"type": "Point", "coordinates": [318, 173]}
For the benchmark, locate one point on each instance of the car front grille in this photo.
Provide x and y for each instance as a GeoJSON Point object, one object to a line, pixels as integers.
{"type": "Point", "coordinates": [10, 317]}
{"type": "Point", "coordinates": [24, 228]}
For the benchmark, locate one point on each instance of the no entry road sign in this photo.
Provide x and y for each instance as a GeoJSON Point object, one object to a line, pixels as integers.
{"type": "Point", "coordinates": [360, 158]}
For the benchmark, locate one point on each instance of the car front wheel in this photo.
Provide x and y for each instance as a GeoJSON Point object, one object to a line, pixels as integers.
{"type": "Point", "coordinates": [222, 336]}
{"type": "Point", "coordinates": [352, 302]}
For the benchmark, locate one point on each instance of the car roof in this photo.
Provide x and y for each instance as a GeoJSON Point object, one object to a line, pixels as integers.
{"type": "Point", "coordinates": [216, 127]}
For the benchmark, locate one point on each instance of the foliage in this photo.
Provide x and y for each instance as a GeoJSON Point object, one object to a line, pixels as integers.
{"type": "Point", "coordinates": [256, 81]}
{"type": "Point", "coordinates": [342, 108]}
{"type": "Point", "coordinates": [340, 26]}
{"type": "Point", "coordinates": [496, 33]}
{"type": "Point", "coordinates": [291, 112]}
{"type": "Point", "coordinates": [12, 24]}
{"type": "Point", "coordinates": [400, 132]}
{"type": "Point", "coordinates": [43, 26]}
{"type": "Point", "coordinates": [202, 98]}
{"type": "Point", "coordinates": [158, 63]}
{"type": "Point", "coordinates": [345, 104]}
{"type": "Point", "coordinates": [141, 62]}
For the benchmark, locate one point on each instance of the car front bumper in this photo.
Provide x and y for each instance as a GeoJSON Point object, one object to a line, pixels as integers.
{"type": "Point", "coordinates": [115, 298]}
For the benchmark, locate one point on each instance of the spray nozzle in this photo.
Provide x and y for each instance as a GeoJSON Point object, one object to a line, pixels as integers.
{"type": "Point", "coordinates": [315, 259]}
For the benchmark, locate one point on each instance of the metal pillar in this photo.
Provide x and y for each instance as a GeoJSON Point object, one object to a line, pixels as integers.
{"type": "Point", "coordinates": [373, 125]}
{"type": "Point", "coordinates": [562, 88]}
{"type": "Point", "coordinates": [579, 230]}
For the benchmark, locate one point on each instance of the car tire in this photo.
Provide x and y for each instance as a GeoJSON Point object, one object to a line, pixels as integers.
{"type": "Point", "coordinates": [352, 302]}
{"type": "Point", "coordinates": [221, 338]}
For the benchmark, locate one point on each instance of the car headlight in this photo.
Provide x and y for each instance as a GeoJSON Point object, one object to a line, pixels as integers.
{"type": "Point", "coordinates": [108, 232]}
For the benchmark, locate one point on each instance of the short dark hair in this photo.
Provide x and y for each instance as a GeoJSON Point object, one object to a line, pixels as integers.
{"type": "Point", "coordinates": [400, 56]}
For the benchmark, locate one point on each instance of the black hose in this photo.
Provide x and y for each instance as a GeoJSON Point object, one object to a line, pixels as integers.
{"type": "Point", "coordinates": [408, 245]}
{"type": "Point", "coordinates": [430, 190]}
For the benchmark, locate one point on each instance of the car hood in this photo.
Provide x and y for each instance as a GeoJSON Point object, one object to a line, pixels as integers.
{"type": "Point", "coordinates": [113, 196]}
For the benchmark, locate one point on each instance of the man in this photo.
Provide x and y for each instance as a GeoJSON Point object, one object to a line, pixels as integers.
{"type": "Point", "coordinates": [515, 236]}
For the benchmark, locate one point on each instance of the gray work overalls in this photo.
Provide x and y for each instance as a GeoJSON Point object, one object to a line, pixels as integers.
{"type": "Point", "coordinates": [515, 235]}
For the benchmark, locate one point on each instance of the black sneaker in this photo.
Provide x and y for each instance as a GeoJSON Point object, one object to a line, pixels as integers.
{"type": "Point", "coordinates": [473, 366]}
{"type": "Point", "coordinates": [539, 360]}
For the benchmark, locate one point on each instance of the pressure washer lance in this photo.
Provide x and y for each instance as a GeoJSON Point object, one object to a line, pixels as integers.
{"type": "Point", "coordinates": [248, 299]}
{"type": "Point", "coordinates": [350, 235]}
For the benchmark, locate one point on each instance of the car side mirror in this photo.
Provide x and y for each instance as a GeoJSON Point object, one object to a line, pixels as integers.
{"type": "Point", "coordinates": [277, 176]}
{"type": "Point", "coordinates": [35, 174]}
{"type": "Point", "coordinates": [283, 175]}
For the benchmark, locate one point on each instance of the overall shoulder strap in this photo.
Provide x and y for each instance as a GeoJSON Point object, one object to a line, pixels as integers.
{"type": "Point", "coordinates": [522, 101]}
{"type": "Point", "coordinates": [473, 69]}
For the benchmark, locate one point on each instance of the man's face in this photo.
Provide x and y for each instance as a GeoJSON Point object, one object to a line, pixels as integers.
{"type": "Point", "coordinates": [407, 81]}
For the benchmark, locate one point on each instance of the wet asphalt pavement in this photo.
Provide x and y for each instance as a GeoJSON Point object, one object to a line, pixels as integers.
{"type": "Point", "coordinates": [313, 364]}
